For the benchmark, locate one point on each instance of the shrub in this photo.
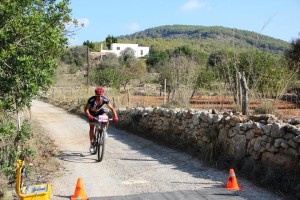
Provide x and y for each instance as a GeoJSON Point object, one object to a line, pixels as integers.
{"type": "Point", "coordinates": [266, 107]}
{"type": "Point", "coordinates": [13, 146]}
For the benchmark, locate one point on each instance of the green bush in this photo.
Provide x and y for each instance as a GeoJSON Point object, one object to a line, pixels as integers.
{"type": "Point", "coordinates": [13, 146]}
{"type": "Point", "coordinates": [73, 69]}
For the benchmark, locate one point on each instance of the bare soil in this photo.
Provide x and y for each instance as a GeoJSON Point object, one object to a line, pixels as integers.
{"type": "Point", "coordinates": [282, 109]}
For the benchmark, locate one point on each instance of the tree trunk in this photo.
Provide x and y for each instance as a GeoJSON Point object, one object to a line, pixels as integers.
{"type": "Point", "coordinates": [174, 94]}
{"type": "Point", "coordinates": [245, 100]}
{"type": "Point", "coordinates": [128, 98]}
{"type": "Point", "coordinates": [194, 91]}
{"type": "Point", "coordinates": [239, 88]}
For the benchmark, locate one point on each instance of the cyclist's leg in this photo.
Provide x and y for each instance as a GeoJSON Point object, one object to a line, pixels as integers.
{"type": "Point", "coordinates": [92, 127]}
{"type": "Point", "coordinates": [91, 135]}
{"type": "Point", "coordinates": [92, 132]}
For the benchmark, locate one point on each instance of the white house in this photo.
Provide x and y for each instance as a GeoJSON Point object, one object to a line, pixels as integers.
{"type": "Point", "coordinates": [118, 47]}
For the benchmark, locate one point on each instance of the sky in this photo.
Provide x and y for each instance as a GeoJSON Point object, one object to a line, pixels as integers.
{"type": "Point", "coordinates": [276, 18]}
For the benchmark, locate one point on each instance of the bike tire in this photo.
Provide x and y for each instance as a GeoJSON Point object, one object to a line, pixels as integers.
{"type": "Point", "coordinates": [100, 145]}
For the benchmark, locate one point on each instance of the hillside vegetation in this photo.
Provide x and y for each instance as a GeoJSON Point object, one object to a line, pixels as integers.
{"type": "Point", "coordinates": [204, 38]}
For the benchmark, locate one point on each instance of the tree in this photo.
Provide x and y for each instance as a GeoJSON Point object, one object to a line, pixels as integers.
{"type": "Point", "coordinates": [205, 79]}
{"type": "Point", "coordinates": [179, 73]}
{"type": "Point", "coordinates": [130, 66]}
{"type": "Point", "coordinates": [183, 50]}
{"type": "Point", "coordinates": [126, 54]}
{"type": "Point", "coordinates": [109, 40]}
{"type": "Point", "coordinates": [75, 56]}
{"type": "Point", "coordinates": [109, 77]}
{"type": "Point", "coordinates": [293, 55]}
{"type": "Point", "coordinates": [110, 60]}
{"type": "Point", "coordinates": [31, 39]}
{"type": "Point", "coordinates": [89, 44]}
{"type": "Point", "coordinates": [224, 64]}
{"type": "Point", "coordinates": [264, 75]}
{"type": "Point", "coordinates": [155, 58]}
{"type": "Point", "coordinates": [107, 73]}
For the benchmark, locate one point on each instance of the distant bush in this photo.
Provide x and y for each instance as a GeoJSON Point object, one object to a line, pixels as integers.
{"type": "Point", "coordinates": [266, 107]}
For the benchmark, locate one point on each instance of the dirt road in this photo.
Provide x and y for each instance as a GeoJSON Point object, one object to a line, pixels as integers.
{"type": "Point", "coordinates": [132, 165]}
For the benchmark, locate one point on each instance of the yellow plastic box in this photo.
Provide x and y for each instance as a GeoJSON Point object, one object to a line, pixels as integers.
{"type": "Point", "coordinates": [33, 192]}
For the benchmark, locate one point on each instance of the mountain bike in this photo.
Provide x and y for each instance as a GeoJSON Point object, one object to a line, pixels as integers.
{"type": "Point", "coordinates": [99, 138]}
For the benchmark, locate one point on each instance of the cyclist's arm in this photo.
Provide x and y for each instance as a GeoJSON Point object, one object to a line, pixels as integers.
{"type": "Point", "coordinates": [86, 110]}
{"type": "Point", "coordinates": [112, 110]}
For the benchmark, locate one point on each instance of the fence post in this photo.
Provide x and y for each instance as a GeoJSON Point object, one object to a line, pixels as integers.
{"type": "Point", "coordinates": [53, 93]}
{"type": "Point", "coordinates": [165, 88]}
{"type": "Point", "coordinates": [128, 98]}
{"type": "Point", "coordinates": [245, 94]}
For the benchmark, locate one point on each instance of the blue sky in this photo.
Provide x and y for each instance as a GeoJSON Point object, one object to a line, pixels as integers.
{"type": "Point", "coordinates": [276, 18]}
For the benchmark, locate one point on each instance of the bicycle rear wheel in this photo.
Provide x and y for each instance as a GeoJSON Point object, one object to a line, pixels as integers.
{"type": "Point", "coordinates": [100, 145]}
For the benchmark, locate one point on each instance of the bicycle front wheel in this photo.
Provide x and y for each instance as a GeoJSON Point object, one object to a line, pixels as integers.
{"type": "Point", "coordinates": [101, 145]}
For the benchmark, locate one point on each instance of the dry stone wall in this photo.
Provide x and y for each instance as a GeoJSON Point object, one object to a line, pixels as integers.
{"type": "Point", "coordinates": [264, 139]}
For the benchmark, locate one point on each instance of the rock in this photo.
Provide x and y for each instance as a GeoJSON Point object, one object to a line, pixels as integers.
{"type": "Point", "coordinates": [258, 128]}
{"type": "Point", "coordinates": [288, 136]}
{"type": "Point", "coordinates": [232, 133]}
{"type": "Point", "coordinates": [216, 118]}
{"type": "Point", "coordinates": [267, 129]}
{"type": "Point", "coordinates": [236, 119]}
{"type": "Point", "coordinates": [295, 121]}
{"type": "Point", "coordinates": [297, 138]}
{"type": "Point", "coordinates": [214, 111]}
{"type": "Point", "coordinates": [277, 130]}
{"type": "Point", "coordinates": [278, 142]}
{"type": "Point", "coordinates": [257, 145]}
{"type": "Point", "coordinates": [271, 148]}
{"type": "Point", "coordinates": [195, 119]}
{"type": "Point", "coordinates": [237, 148]}
{"type": "Point", "coordinates": [204, 116]}
{"type": "Point", "coordinates": [250, 134]}
{"type": "Point", "coordinates": [284, 144]}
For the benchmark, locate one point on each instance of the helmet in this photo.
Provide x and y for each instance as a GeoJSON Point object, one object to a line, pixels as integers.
{"type": "Point", "coordinates": [99, 91]}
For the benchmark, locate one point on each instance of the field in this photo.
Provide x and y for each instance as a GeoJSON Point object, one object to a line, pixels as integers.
{"type": "Point", "coordinates": [282, 108]}
{"type": "Point", "coordinates": [285, 108]}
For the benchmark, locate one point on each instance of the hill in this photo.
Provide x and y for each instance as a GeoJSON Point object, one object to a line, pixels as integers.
{"type": "Point", "coordinates": [205, 38]}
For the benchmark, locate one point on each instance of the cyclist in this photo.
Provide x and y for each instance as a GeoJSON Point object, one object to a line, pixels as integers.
{"type": "Point", "coordinates": [93, 108]}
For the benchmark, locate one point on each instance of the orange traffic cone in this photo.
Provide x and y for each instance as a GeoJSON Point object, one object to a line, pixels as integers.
{"type": "Point", "coordinates": [232, 183]}
{"type": "Point", "coordinates": [79, 191]}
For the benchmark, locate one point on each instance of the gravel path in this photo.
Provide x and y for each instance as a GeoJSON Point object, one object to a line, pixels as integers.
{"type": "Point", "coordinates": [131, 165]}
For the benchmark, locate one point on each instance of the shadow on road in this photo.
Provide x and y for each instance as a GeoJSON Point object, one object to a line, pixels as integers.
{"type": "Point", "coordinates": [166, 156]}
{"type": "Point", "coordinates": [77, 157]}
